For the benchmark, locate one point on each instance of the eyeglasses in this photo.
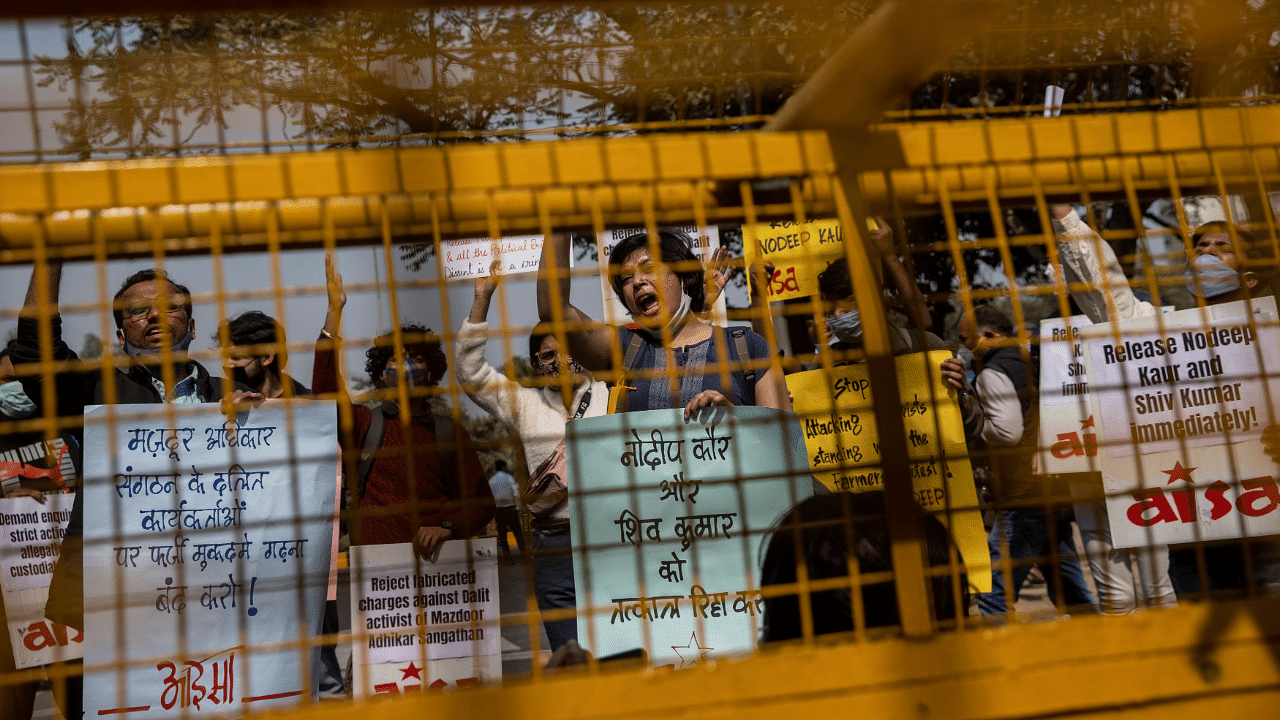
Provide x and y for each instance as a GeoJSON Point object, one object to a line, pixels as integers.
{"type": "Point", "coordinates": [139, 309]}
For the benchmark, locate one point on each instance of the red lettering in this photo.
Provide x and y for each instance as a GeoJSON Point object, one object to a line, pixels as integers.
{"type": "Point", "coordinates": [1151, 500]}
{"type": "Point", "coordinates": [1068, 445]}
{"type": "Point", "coordinates": [386, 688]}
{"type": "Point", "coordinates": [38, 632]}
{"type": "Point", "coordinates": [1186, 502]}
{"type": "Point", "coordinates": [1215, 494]}
{"type": "Point", "coordinates": [1090, 444]}
{"type": "Point", "coordinates": [438, 686]}
{"type": "Point", "coordinates": [1256, 489]}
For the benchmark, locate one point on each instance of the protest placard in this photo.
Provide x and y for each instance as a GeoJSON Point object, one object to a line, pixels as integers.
{"type": "Point", "coordinates": [206, 554]}
{"type": "Point", "coordinates": [424, 625]}
{"type": "Point", "coordinates": [30, 543]}
{"type": "Point", "coordinates": [667, 518]}
{"type": "Point", "coordinates": [835, 409]}
{"type": "Point", "coordinates": [27, 459]}
{"type": "Point", "coordinates": [705, 241]}
{"type": "Point", "coordinates": [798, 251]}
{"type": "Point", "coordinates": [1068, 431]}
{"type": "Point", "coordinates": [1186, 396]}
{"type": "Point", "coordinates": [473, 257]}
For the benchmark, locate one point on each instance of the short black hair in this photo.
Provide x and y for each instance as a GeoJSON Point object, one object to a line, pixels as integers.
{"type": "Point", "coordinates": [415, 337]}
{"type": "Point", "coordinates": [144, 276]}
{"type": "Point", "coordinates": [825, 532]}
{"type": "Point", "coordinates": [986, 317]}
{"type": "Point", "coordinates": [677, 249]}
{"type": "Point", "coordinates": [257, 328]}
{"type": "Point", "coordinates": [834, 283]}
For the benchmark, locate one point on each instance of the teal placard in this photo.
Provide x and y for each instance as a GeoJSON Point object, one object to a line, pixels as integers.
{"type": "Point", "coordinates": [668, 517]}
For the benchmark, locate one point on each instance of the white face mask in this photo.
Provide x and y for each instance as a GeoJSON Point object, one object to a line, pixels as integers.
{"type": "Point", "coordinates": [14, 401]}
{"type": "Point", "coordinates": [1208, 277]}
{"type": "Point", "coordinates": [845, 328]}
{"type": "Point", "coordinates": [180, 345]}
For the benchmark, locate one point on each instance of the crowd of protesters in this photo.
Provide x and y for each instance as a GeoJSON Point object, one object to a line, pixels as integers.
{"type": "Point", "coordinates": [422, 481]}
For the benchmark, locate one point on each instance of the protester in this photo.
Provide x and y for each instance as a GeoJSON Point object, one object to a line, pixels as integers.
{"type": "Point", "coordinates": [152, 314]}
{"type": "Point", "coordinates": [672, 358]}
{"type": "Point", "coordinates": [1031, 521]}
{"type": "Point", "coordinates": [1220, 270]}
{"type": "Point", "coordinates": [537, 416]}
{"type": "Point", "coordinates": [829, 534]}
{"type": "Point", "coordinates": [420, 479]}
{"type": "Point", "coordinates": [258, 353]}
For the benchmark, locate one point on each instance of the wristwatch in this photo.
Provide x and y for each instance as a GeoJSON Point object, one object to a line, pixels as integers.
{"type": "Point", "coordinates": [448, 525]}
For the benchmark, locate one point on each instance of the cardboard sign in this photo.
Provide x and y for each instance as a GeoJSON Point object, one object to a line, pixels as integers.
{"type": "Point", "coordinates": [835, 408]}
{"type": "Point", "coordinates": [209, 540]}
{"type": "Point", "coordinates": [668, 516]}
{"type": "Point", "coordinates": [705, 241]}
{"type": "Point", "coordinates": [799, 253]}
{"type": "Point", "coordinates": [1068, 430]}
{"type": "Point", "coordinates": [473, 258]}
{"type": "Point", "coordinates": [30, 544]}
{"type": "Point", "coordinates": [1184, 407]}
{"type": "Point", "coordinates": [410, 612]}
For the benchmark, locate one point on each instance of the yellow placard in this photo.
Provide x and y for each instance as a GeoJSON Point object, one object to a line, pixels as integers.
{"type": "Point", "coordinates": [844, 452]}
{"type": "Point", "coordinates": [798, 251]}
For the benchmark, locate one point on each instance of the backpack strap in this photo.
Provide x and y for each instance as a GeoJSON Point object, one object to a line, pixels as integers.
{"type": "Point", "coordinates": [739, 335]}
{"type": "Point", "coordinates": [369, 447]}
{"type": "Point", "coordinates": [620, 389]}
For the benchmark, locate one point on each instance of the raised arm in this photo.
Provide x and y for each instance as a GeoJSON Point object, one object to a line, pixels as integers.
{"type": "Point", "coordinates": [488, 388]}
{"type": "Point", "coordinates": [1087, 259]}
{"type": "Point", "coordinates": [589, 341]}
{"type": "Point", "coordinates": [897, 277]}
{"type": "Point", "coordinates": [324, 374]}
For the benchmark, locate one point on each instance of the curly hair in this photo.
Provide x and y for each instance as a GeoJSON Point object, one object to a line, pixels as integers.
{"type": "Point", "coordinates": [416, 338]}
{"type": "Point", "coordinates": [677, 249]}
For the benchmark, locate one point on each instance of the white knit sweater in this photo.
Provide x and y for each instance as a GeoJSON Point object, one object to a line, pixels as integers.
{"type": "Point", "coordinates": [536, 416]}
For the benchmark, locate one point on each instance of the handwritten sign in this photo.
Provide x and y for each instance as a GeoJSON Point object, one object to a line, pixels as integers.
{"type": "Point", "coordinates": [1181, 459]}
{"type": "Point", "coordinates": [420, 613]}
{"type": "Point", "coordinates": [835, 408]}
{"type": "Point", "coordinates": [30, 544]}
{"type": "Point", "coordinates": [705, 241]}
{"type": "Point", "coordinates": [473, 258]}
{"type": "Point", "coordinates": [207, 540]}
{"type": "Point", "coordinates": [667, 519]}
{"type": "Point", "coordinates": [798, 251]}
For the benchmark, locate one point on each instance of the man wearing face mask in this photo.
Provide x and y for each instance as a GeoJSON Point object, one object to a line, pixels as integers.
{"type": "Point", "coordinates": [536, 415]}
{"type": "Point", "coordinates": [152, 313]}
{"type": "Point", "coordinates": [258, 355]}
{"type": "Point", "coordinates": [1216, 273]}
{"type": "Point", "coordinates": [419, 478]}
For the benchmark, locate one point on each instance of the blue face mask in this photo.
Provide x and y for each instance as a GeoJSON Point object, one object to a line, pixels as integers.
{"type": "Point", "coordinates": [1208, 277]}
{"type": "Point", "coordinates": [14, 401]}
{"type": "Point", "coordinates": [845, 329]}
{"type": "Point", "coordinates": [415, 375]}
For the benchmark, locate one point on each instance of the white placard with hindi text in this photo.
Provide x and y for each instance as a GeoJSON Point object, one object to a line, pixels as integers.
{"type": "Point", "coordinates": [30, 544]}
{"type": "Point", "coordinates": [673, 512]}
{"type": "Point", "coordinates": [207, 549]}
{"type": "Point", "coordinates": [436, 622]}
{"type": "Point", "coordinates": [474, 257]}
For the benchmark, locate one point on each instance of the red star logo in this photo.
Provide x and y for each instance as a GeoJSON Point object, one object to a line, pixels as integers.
{"type": "Point", "coordinates": [413, 671]}
{"type": "Point", "coordinates": [1086, 423]}
{"type": "Point", "coordinates": [1179, 473]}
{"type": "Point", "coordinates": [693, 650]}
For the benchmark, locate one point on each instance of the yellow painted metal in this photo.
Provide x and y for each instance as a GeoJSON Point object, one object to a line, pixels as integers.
{"type": "Point", "coordinates": [1219, 659]}
{"type": "Point", "coordinates": [1006, 157]}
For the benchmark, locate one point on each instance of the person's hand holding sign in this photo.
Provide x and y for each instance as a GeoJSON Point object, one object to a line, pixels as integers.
{"type": "Point", "coordinates": [954, 376]}
{"type": "Point", "coordinates": [427, 540]}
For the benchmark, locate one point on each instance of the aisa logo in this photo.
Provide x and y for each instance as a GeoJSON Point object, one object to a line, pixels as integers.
{"type": "Point", "coordinates": [1076, 443]}
{"type": "Point", "coordinates": [1254, 497]}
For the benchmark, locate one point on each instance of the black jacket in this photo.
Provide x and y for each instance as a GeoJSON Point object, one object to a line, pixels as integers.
{"type": "Point", "coordinates": [74, 389]}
